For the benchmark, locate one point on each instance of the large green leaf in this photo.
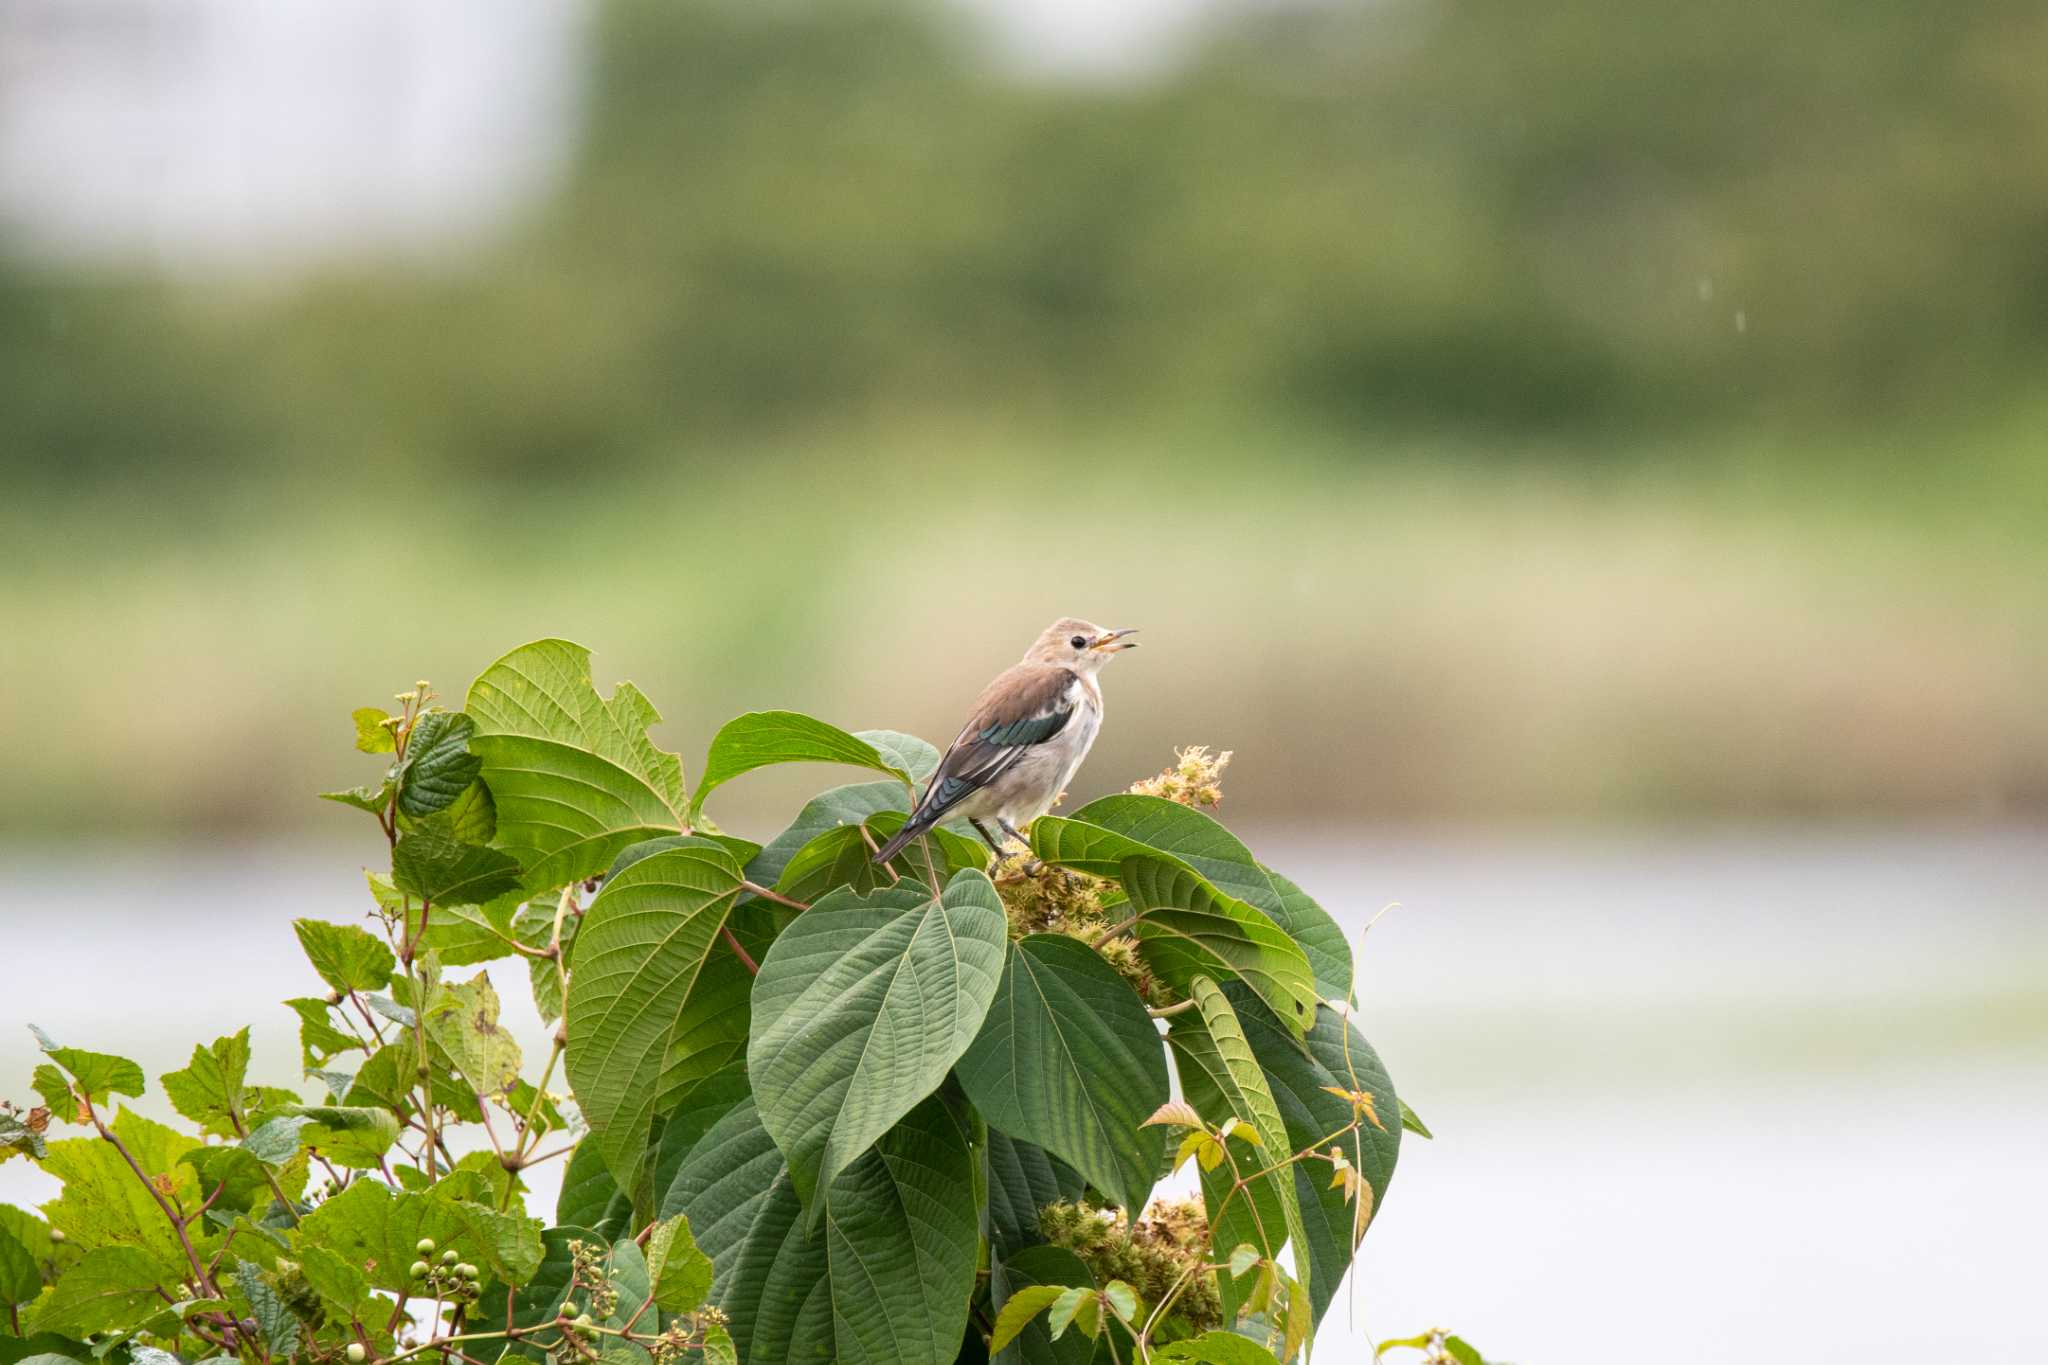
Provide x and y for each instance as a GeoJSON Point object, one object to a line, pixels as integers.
{"type": "Point", "coordinates": [376, 1228]}
{"type": "Point", "coordinates": [103, 1204]}
{"type": "Point", "coordinates": [1022, 1179]}
{"type": "Point", "coordinates": [1068, 1059]}
{"type": "Point", "coordinates": [210, 1092]}
{"type": "Point", "coordinates": [860, 1010]}
{"type": "Point", "coordinates": [1100, 835]}
{"type": "Point", "coordinates": [657, 999]}
{"type": "Point", "coordinates": [107, 1288]}
{"type": "Point", "coordinates": [98, 1074]}
{"type": "Point", "coordinates": [1336, 1056]}
{"type": "Point", "coordinates": [1211, 1039]}
{"type": "Point", "coordinates": [761, 738]}
{"type": "Point", "coordinates": [574, 775]}
{"type": "Point", "coordinates": [1186, 929]}
{"type": "Point", "coordinates": [887, 1281]}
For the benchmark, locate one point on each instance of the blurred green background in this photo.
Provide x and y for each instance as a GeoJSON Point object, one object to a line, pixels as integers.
{"type": "Point", "coordinates": [1596, 409]}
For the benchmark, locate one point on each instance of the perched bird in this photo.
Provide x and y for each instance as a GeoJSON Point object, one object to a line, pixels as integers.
{"type": "Point", "coordinates": [1028, 733]}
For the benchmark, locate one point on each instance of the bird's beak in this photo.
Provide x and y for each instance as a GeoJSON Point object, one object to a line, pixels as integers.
{"type": "Point", "coordinates": [1113, 641]}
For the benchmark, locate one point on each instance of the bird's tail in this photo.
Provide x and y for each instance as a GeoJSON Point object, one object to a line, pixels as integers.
{"type": "Point", "coordinates": [917, 824]}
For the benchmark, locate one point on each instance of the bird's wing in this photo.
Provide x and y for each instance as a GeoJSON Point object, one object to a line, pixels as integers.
{"type": "Point", "coordinates": [1025, 706]}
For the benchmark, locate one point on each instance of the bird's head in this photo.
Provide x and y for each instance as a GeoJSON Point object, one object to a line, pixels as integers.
{"type": "Point", "coordinates": [1074, 643]}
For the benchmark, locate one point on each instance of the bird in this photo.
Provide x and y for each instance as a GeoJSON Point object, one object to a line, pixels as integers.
{"type": "Point", "coordinates": [1025, 738]}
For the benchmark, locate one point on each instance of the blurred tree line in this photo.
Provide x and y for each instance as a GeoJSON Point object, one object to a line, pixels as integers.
{"type": "Point", "coordinates": [1552, 218]}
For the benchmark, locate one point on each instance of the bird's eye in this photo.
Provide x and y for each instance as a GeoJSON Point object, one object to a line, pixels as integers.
{"type": "Point", "coordinates": [1079, 642]}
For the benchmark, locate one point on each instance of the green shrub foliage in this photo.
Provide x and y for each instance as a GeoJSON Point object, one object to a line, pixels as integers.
{"type": "Point", "coordinates": [810, 1108]}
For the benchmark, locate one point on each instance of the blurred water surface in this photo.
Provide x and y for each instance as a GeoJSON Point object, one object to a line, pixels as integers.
{"type": "Point", "coordinates": [1699, 1096]}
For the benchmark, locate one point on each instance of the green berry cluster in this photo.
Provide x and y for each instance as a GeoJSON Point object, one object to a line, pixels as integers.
{"type": "Point", "coordinates": [452, 1278]}
{"type": "Point", "coordinates": [587, 1272]}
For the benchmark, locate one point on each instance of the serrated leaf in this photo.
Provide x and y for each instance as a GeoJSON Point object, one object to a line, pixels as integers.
{"type": "Point", "coordinates": [210, 1091]}
{"type": "Point", "coordinates": [438, 766]}
{"type": "Point", "coordinates": [277, 1141]}
{"type": "Point", "coordinates": [243, 1180]}
{"type": "Point", "coordinates": [375, 1228]}
{"type": "Point", "coordinates": [97, 1074]}
{"type": "Point", "coordinates": [371, 799]}
{"type": "Point", "coordinates": [760, 738]}
{"type": "Point", "coordinates": [106, 1288]}
{"type": "Point", "coordinates": [463, 935]}
{"type": "Point", "coordinates": [103, 1204]}
{"type": "Point", "coordinates": [1050, 1266]}
{"type": "Point", "coordinates": [1080, 1308]}
{"type": "Point", "coordinates": [1018, 1311]}
{"type": "Point", "coordinates": [573, 774]}
{"type": "Point", "coordinates": [1187, 929]}
{"type": "Point", "coordinates": [890, 1276]}
{"type": "Point", "coordinates": [354, 1136]}
{"type": "Point", "coordinates": [280, 1329]}
{"type": "Point", "coordinates": [1213, 1040]}
{"type": "Point", "coordinates": [334, 1278]}
{"type": "Point", "coordinates": [319, 1039]}
{"type": "Point", "coordinates": [1122, 1299]}
{"type": "Point", "coordinates": [373, 732]}
{"type": "Point", "coordinates": [861, 1008]}
{"type": "Point", "coordinates": [1068, 1059]}
{"type": "Point", "coordinates": [471, 818]}
{"type": "Point", "coordinates": [441, 870]}
{"type": "Point", "coordinates": [678, 1270]}
{"type": "Point", "coordinates": [483, 1050]}
{"type": "Point", "coordinates": [657, 1000]}
{"type": "Point", "coordinates": [347, 957]}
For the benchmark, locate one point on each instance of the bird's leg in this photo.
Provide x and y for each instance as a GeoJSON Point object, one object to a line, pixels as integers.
{"type": "Point", "coordinates": [1031, 864]}
{"type": "Point", "coordinates": [986, 837]}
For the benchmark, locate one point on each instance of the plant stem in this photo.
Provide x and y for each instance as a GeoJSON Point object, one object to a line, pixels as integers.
{"type": "Point", "coordinates": [200, 1277]}
{"type": "Point", "coordinates": [746, 958]}
{"type": "Point", "coordinates": [1169, 1011]}
{"type": "Point", "coordinates": [769, 894]}
{"type": "Point", "coordinates": [1112, 931]}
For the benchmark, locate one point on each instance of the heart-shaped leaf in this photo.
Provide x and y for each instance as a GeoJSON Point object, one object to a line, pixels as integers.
{"type": "Point", "coordinates": [657, 999]}
{"type": "Point", "coordinates": [860, 1010]}
{"type": "Point", "coordinates": [891, 1275]}
{"type": "Point", "coordinates": [1068, 1059]}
